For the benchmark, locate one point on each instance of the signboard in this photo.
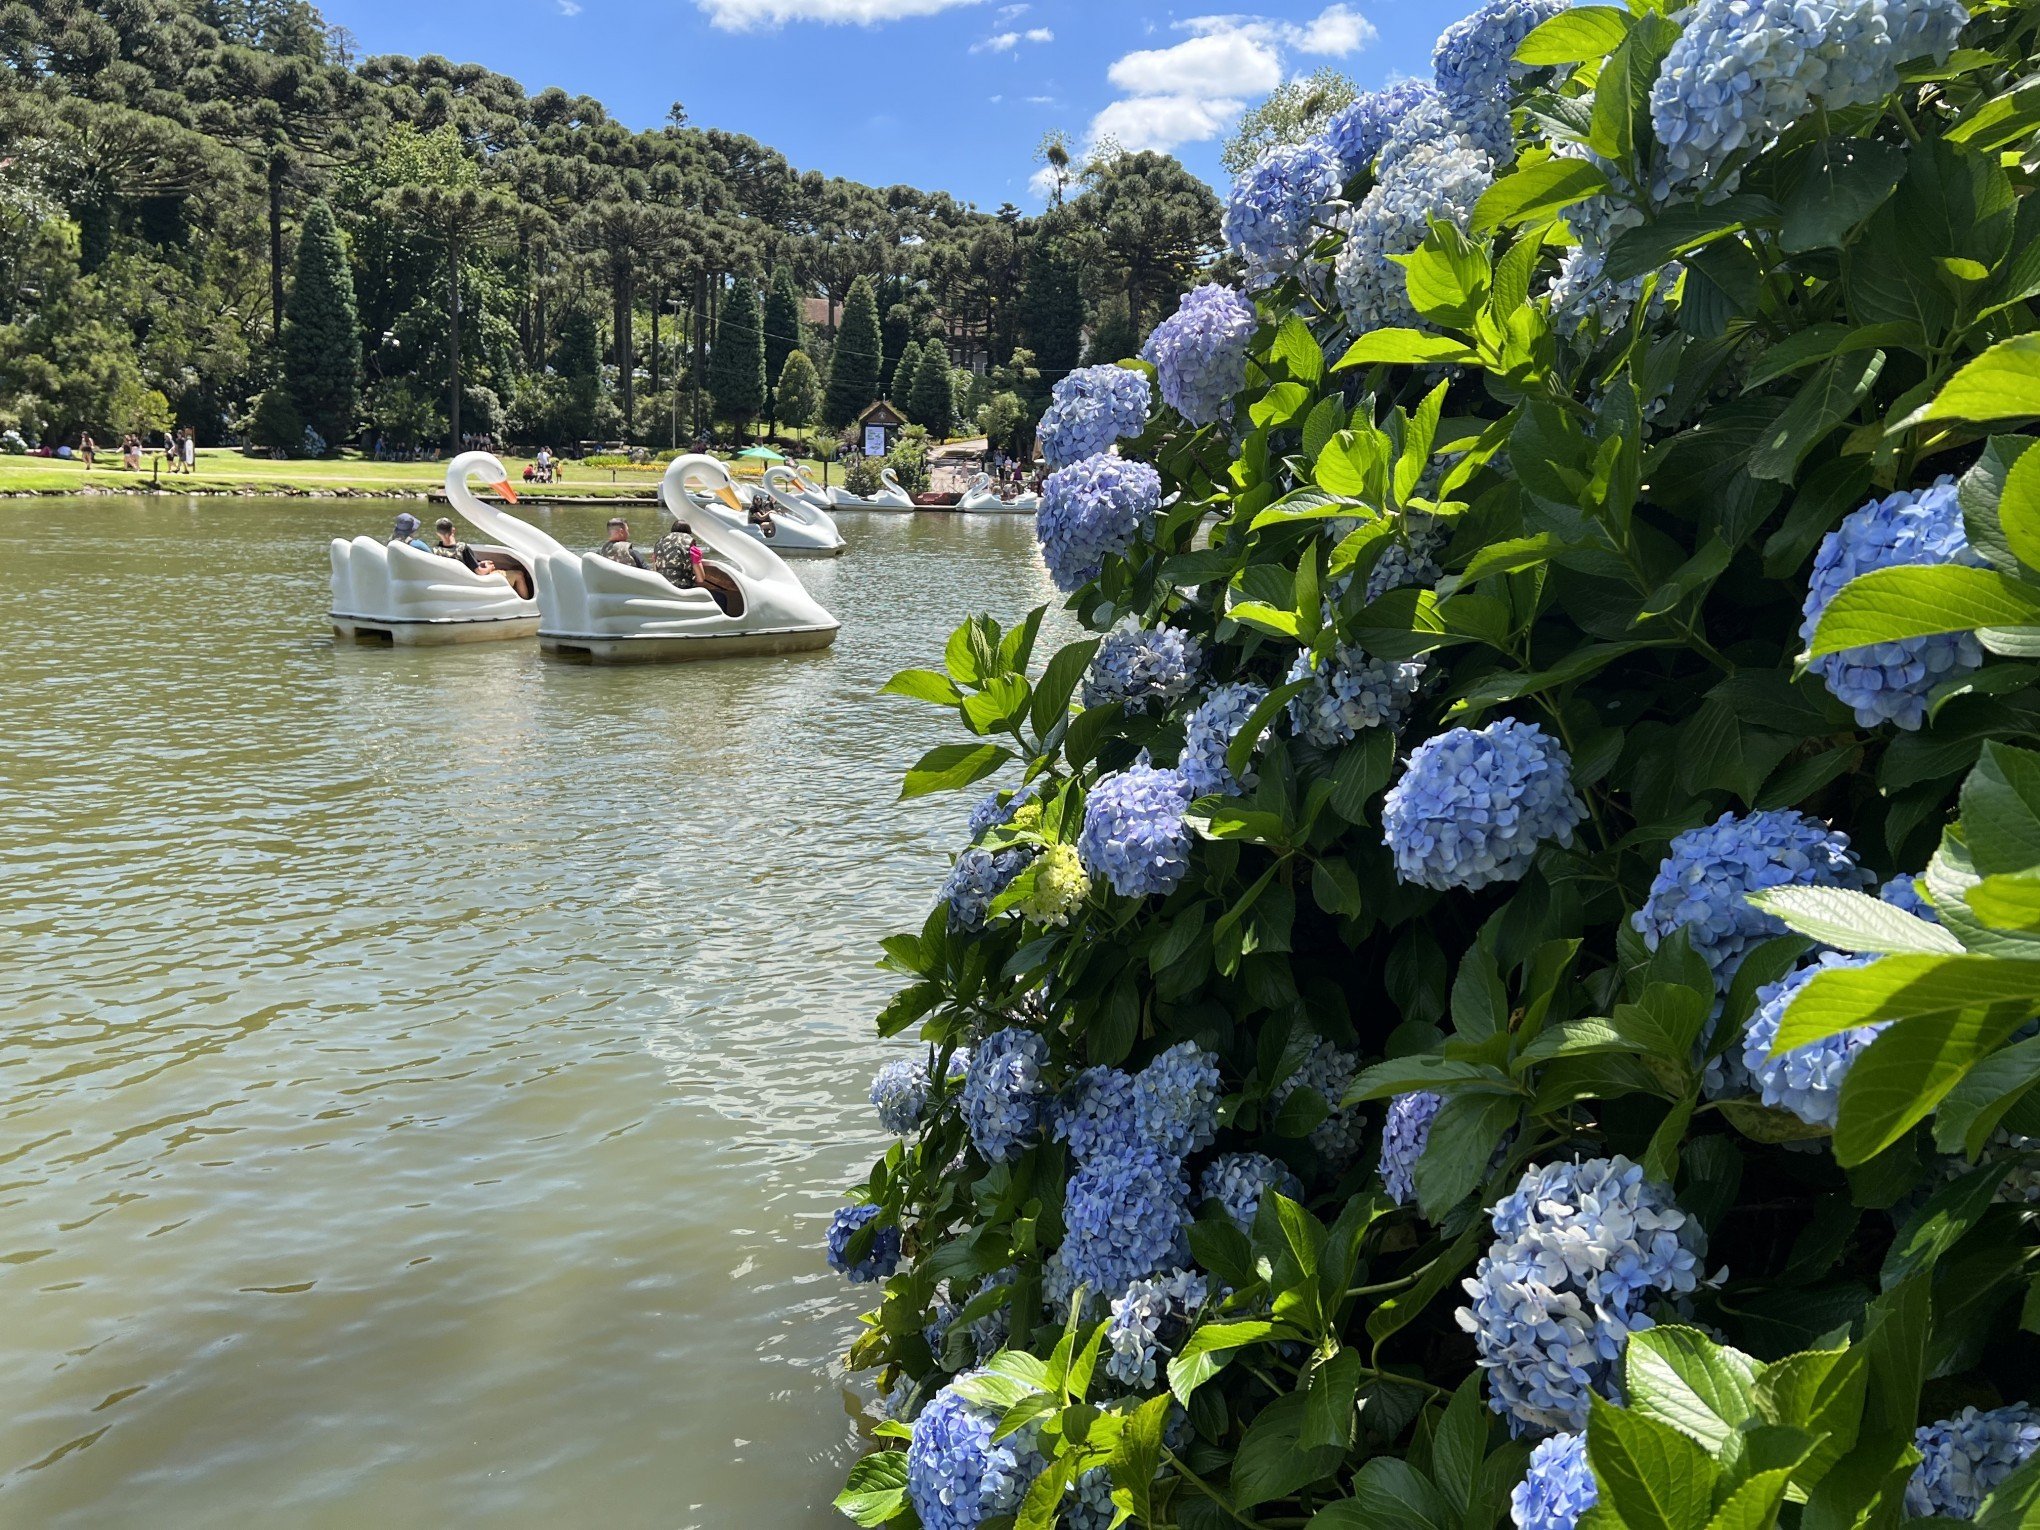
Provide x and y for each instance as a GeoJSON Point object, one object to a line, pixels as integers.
{"type": "Point", "coordinates": [874, 440]}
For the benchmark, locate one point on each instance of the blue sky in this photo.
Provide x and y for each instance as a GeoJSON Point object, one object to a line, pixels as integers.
{"type": "Point", "coordinates": [944, 94]}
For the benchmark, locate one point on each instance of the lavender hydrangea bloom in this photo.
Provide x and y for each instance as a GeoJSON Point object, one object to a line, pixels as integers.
{"type": "Point", "coordinates": [976, 879]}
{"type": "Point", "coordinates": [956, 1476]}
{"type": "Point", "coordinates": [1890, 682]}
{"type": "Point", "coordinates": [1096, 1114]}
{"type": "Point", "coordinates": [1349, 692]}
{"type": "Point", "coordinates": [1134, 835]}
{"type": "Point", "coordinates": [1237, 1181]}
{"type": "Point", "coordinates": [1703, 884]}
{"type": "Point", "coordinates": [1175, 1100]}
{"type": "Point", "coordinates": [1558, 1488]}
{"type": "Point", "coordinates": [1090, 410]}
{"type": "Point", "coordinates": [1272, 216]}
{"type": "Point", "coordinates": [1358, 132]}
{"type": "Point", "coordinates": [1142, 668]}
{"type": "Point", "coordinates": [1208, 735]}
{"type": "Point", "coordinates": [1003, 1095]}
{"type": "Point", "coordinates": [1199, 353]}
{"type": "Point", "coordinates": [1329, 1070]}
{"type": "Point", "coordinates": [1807, 1080]}
{"type": "Point", "coordinates": [1579, 1249]}
{"type": "Point", "coordinates": [1125, 1217]}
{"type": "Point", "coordinates": [1150, 1320]}
{"type": "Point", "coordinates": [1476, 68]}
{"type": "Point", "coordinates": [1903, 891]}
{"type": "Point", "coordinates": [1088, 1504]}
{"type": "Point", "coordinates": [1475, 804]}
{"type": "Point", "coordinates": [1093, 510]}
{"type": "Point", "coordinates": [1441, 180]}
{"type": "Point", "coordinates": [900, 1091]}
{"type": "Point", "coordinates": [995, 810]}
{"type": "Point", "coordinates": [1404, 1136]}
{"type": "Point", "coordinates": [884, 1255]}
{"type": "Point", "coordinates": [1967, 1456]}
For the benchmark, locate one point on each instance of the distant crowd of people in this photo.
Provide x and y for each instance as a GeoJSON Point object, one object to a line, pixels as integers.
{"type": "Point", "coordinates": [179, 448]}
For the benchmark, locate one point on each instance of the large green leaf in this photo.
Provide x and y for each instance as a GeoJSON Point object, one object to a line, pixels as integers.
{"type": "Point", "coordinates": [1574, 36]}
{"type": "Point", "coordinates": [1916, 600]}
{"type": "Point", "coordinates": [1538, 191]}
{"type": "Point", "coordinates": [1651, 1475]}
{"type": "Point", "coordinates": [1826, 400]}
{"type": "Point", "coordinates": [877, 1490]}
{"type": "Point", "coordinates": [1272, 1461]}
{"type": "Point", "coordinates": [1680, 1377]}
{"type": "Point", "coordinates": [1903, 988]}
{"type": "Point", "coordinates": [1620, 124]}
{"type": "Point", "coordinates": [2003, 384]}
{"type": "Point", "coordinates": [1388, 1494]}
{"type": "Point", "coordinates": [1854, 921]}
{"type": "Point", "coordinates": [949, 767]}
{"type": "Point", "coordinates": [1900, 1077]}
{"type": "Point", "coordinates": [1404, 347]}
{"type": "Point", "coordinates": [1843, 182]}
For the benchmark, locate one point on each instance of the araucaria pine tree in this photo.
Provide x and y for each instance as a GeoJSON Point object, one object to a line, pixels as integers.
{"type": "Point", "coordinates": [799, 393]}
{"type": "Point", "coordinates": [931, 399]}
{"type": "Point", "coordinates": [736, 368]}
{"type": "Point", "coordinates": [321, 334]}
{"type": "Point", "coordinates": [782, 329]}
{"type": "Point", "coordinates": [853, 369]}
{"type": "Point", "coordinates": [902, 390]}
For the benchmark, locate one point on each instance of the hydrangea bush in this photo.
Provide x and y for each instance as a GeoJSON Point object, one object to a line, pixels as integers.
{"type": "Point", "coordinates": [1498, 977]}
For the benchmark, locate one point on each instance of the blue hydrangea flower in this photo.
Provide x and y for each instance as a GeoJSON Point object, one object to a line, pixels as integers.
{"type": "Point", "coordinates": [1404, 1136]}
{"type": "Point", "coordinates": [1584, 302]}
{"type": "Point", "coordinates": [1442, 179]}
{"type": "Point", "coordinates": [1088, 1504]}
{"type": "Point", "coordinates": [1903, 891]}
{"type": "Point", "coordinates": [1330, 1070]}
{"type": "Point", "coordinates": [1199, 353]}
{"type": "Point", "coordinates": [884, 1256]}
{"type": "Point", "coordinates": [1807, 1080]}
{"type": "Point", "coordinates": [976, 879]}
{"type": "Point", "coordinates": [994, 811]}
{"type": "Point", "coordinates": [1276, 209]}
{"type": "Point", "coordinates": [1476, 803]}
{"type": "Point", "coordinates": [1558, 1488]}
{"type": "Point", "coordinates": [1134, 835]}
{"type": "Point", "coordinates": [1003, 1094]}
{"type": "Point", "coordinates": [900, 1091]}
{"type": "Point", "coordinates": [1358, 132]}
{"type": "Point", "coordinates": [1150, 1320]}
{"type": "Point", "coordinates": [1209, 734]}
{"type": "Point", "coordinates": [1967, 1456]}
{"type": "Point", "coordinates": [1349, 692]}
{"type": "Point", "coordinates": [956, 1476]}
{"type": "Point", "coordinates": [1144, 669]}
{"type": "Point", "coordinates": [1704, 882]}
{"type": "Point", "coordinates": [1093, 510]}
{"type": "Point", "coordinates": [1096, 1114]}
{"type": "Point", "coordinates": [1476, 68]}
{"type": "Point", "coordinates": [1411, 559]}
{"type": "Point", "coordinates": [988, 1332]}
{"type": "Point", "coordinates": [1237, 1181]}
{"type": "Point", "coordinates": [1890, 682]}
{"type": "Point", "coordinates": [1125, 1217]}
{"type": "Point", "coordinates": [1092, 409]}
{"type": "Point", "coordinates": [1175, 1100]}
{"type": "Point", "coordinates": [1579, 1250]}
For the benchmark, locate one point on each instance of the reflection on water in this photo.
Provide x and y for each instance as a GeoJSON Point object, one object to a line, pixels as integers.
{"type": "Point", "coordinates": [424, 1076]}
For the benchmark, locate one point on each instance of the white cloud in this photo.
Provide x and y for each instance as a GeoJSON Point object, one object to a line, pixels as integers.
{"type": "Point", "coordinates": [1040, 35]}
{"type": "Point", "coordinates": [569, 7]}
{"type": "Point", "coordinates": [1230, 62]}
{"type": "Point", "coordinates": [1337, 30]}
{"type": "Point", "coordinates": [1009, 12]}
{"type": "Point", "coordinates": [750, 15]}
{"type": "Point", "coordinates": [1007, 42]}
{"type": "Point", "coordinates": [1165, 122]}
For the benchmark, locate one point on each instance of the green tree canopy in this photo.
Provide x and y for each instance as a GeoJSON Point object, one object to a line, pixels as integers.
{"type": "Point", "coordinates": [736, 368]}
{"type": "Point", "coordinates": [799, 393]}
{"type": "Point", "coordinates": [321, 349]}
{"type": "Point", "coordinates": [782, 325]}
{"type": "Point", "coordinates": [853, 369]}
{"type": "Point", "coordinates": [902, 390]}
{"type": "Point", "coordinates": [932, 398]}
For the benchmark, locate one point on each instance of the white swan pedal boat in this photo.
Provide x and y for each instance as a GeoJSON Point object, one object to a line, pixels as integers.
{"type": "Point", "coordinates": [800, 527]}
{"type": "Point", "coordinates": [595, 609]}
{"type": "Point", "coordinates": [981, 499]}
{"type": "Point", "coordinates": [390, 592]}
{"type": "Point", "coordinates": [891, 497]}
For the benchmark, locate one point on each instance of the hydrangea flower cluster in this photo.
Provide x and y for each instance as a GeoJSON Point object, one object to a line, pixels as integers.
{"type": "Point", "coordinates": [1903, 891]}
{"type": "Point", "coordinates": [1411, 559]}
{"type": "Point", "coordinates": [1060, 887]}
{"type": "Point", "coordinates": [1274, 210]}
{"type": "Point", "coordinates": [1890, 682]}
{"type": "Point", "coordinates": [976, 879]}
{"type": "Point", "coordinates": [988, 1333]}
{"type": "Point", "coordinates": [1091, 410]}
{"type": "Point", "coordinates": [1175, 1100]}
{"type": "Point", "coordinates": [1704, 882]}
{"type": "Point", "coordinates": [1142, 668]}
{"type": "Point", "coordinates": [1329, 1070]}
{"type": "Point", "coordinates": [1806, 1080]}
{"type": "Point", "coordinates": [1208, 736]}
{"type": "Point", "coordinates": [1149, 1322]}
{"type": "Point", "coordinates": [1441, 179]}
{"type": "Point", "coordinates": [1004, 1093]}
{"type": "Point", "coordinates": [1476, 68]}
{"type": "Point", "coordinates": [1967, 1456]}
{"type": "Point", "coordinates": [1095, 1114]}
{"type": "Point", "coordinates": [883, 1257]}
{"type": "Point", "coordinates": [1476, 803]}
{"type": "Point", "coordinates": [900, 1091]}
{"type": "Point", "coordinates": [1585, 301]}
{"type": "Point", "coordinates": [1558, 1488]}
{"type": "Point", "coordinates": [1199, 353]}
{"type": "Point", "coordinates": [1093, 510]}
{"type": "Point", "coordinates": [1579, 1249]}
{"type": "Point", "coordinates": [1237, 1181]}
{"type": "Point", "coordinates": [1404, 1136]}
{"type": "Point", "coordinates": [1357, 133]}
{"type": "Point", "coordinates": [1088, 1504]}
{"type": "Point", "coordinates": [1349, 692]}
{"type": "Point", "coordinates": [1125, 1216]}
{"type": "Point", "coordinates": [956, 1476]}
{"type": "Point", "coordinates": [1134, 835]}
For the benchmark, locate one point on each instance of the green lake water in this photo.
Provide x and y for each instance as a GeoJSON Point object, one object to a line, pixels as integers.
{"type": "Point", "coordinates": [425, 1076]}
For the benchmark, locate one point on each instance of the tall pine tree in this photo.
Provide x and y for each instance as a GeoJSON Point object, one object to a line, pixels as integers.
{"type": "Point", "coordinates": [321, 348]}
{"type": "Point", "coordinates": [853, 369]}
{"type": "Point", "coordinates": [782, 327]}
{"type": "Point", "coordinates": [577, 359]}
{"type": "Point", "coordinates": [901, 392]}
{"type": "Point", "coordinates": [799, 393]}
{"type": "Point", "coordinates": [1052, 309]}
{"type": "Point", "coordinates": [736, 368]}
{"type": "Point", "coordinates": [933, 396]}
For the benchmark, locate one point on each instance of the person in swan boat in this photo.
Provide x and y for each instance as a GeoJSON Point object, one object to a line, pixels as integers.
{"type": "Point", "coordinates": [618, 549]}
{"type": "Point", "coordinates": [406, 532]}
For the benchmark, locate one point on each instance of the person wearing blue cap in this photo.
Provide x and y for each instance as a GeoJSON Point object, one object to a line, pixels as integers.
{"type": "Point", "coordinates": [406, 532]}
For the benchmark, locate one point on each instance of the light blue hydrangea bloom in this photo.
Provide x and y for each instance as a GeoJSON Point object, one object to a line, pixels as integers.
{"type": "Point", "coordinates": [1277, 209]}
{"type": "Point", "coordinates": [1442, 179]}
{"type": "Point", "coordinates": [1349, 692]}
{"type": "Point", "coordinates": [1358, 132]}
{"type": "Point", "coordinates": [1584, 302]}
{"type": "Point", "coordinates": [1704, 882]}
{"type": "Point", "coordinates": [1903, 891]}
{"type": "Point", "coordinates": [900, 1091]}
{"type": "Point", "coordinates": [988, 1332]}
{"type": "Point", "coordinates": [1003, 1094]}
{"type": "Point", "coordinates": [1144, 669]}
{"type": "Point", "coordinates": [1093, 510]}
{"type": "Point", "coordinates": [1890, 682]}
{"type": "Point", "coordinates": [1150, 1320]}
{"type": "Point", "coordinates": [1476, 68]}
{"type": "Point", "coordinates": [1330, 1070]}
{"type": "Point", "coordinates": [1088, 1504]}
{"type": "Point", "coordinates": [1199, 353]}
{"type": "Point", "coordinates": [1967, 1456]}
{"type": "Point", "coordinates": [1175, 1100]}
{"type": "Point", "coordinates": [1404, 1136]}
{"type": "Point", "coordinates": [1807, 1080]}
{"type": "Point", "coordinates": [1237, 1181]}
{"type": "Point", "coordinates": [1410, 559]}
{"type": "Point", "coordinates": [1558, 1488]}
{"type": "Point", "coordinates": [1580, 1249]}
{"type": "Point", "coordinates": [1096, 1114]}
{"type": "Point", "coordinates": [1134, 835]}
{"type": "Point", "coordinates": [884, 1256]}
{"type": "Point", "coordinates": [976, 879]}
{"type": "Point", "coordinates": [1209, 734]}
{"type": "Point", "coordinates": [995, 810]}
{"type": "Point", "coordinates": [1476, 803]}
{"type": "Point", "coordinates": [1125, 1217]}
{"type": "Point", "coordinates": [957, 1478]}
{"type": "Point", "coordinates": [1091, 410]}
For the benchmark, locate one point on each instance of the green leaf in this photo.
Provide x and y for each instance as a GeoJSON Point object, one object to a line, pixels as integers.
{"type": "Point", "coordinates": [1679, 231]}
{"type": "Point", "coordinates": [1573, 37]}
{"type": "Point", "coordinates": [2019, 508]}
{"type": "Point", "coordinates": [1854, 921]}
{"type": "Point", "coordinates": [1947, 1217]}
{"type": "Point", "coordinates": [877, 1490]}
{"type": "Point", "coordinates": [1388, 1494]}
{"type": "Point", "coordinates": [1897, 1080]}
{"type": "Point", "coordinates": [1827, 399]}
{"type": "Point", "coordinates": [1680, 1377]}
{"type": "Point", "coordinates": [1459, 1446]}
{"type": "Point", "coordinates": [1820, 1391]}
{"type": "Point", "coordinates": [2002, 384]}
{"type": "Point", "coordinates": [1844, 182]}
{"type": "Point", "coordinates": [1059, 679]}
{"type": "Point", "coordinates": [1041, 1507]}
{"type": "Point", "coordinates": [1541, 190]}
{"type": "Point", "coordinates": [1403, 347]}
{"type": "Point", "coordinates": [1887, 604]}
{"type": "Point", "coordinates": [1298, 352]}
{"type": "Point", "coordinates": [2001, 810]}
{"type": "Point", "coordinates": [1651, 1475]}
{"type": "Point", "coordinates": [950, 767]}
{"type": "Point", "coordinates": [1328, 1403]}
{"type": "Point", "coordinates": [1903, 988]}
{"type": "Point", "coordinates": [1325, 421]}
{"type": "Point", "coordinates": [1272, 1461]}
{"type": "Point", "coordinates": [1402, 1309]}
{"type": "Point", "coordinates": [2014, 1504]}
{"type": "Point", "coordinates": [1621, 118]}
{"type": "Point", "coordinates": [1480, 1001]}
{"type": "Point", "coordinates": [999, 706]}
{"type": "Point", "coordinates": [923, 685]}
{"type": "Point", "coordinates": [1207, 1351]}
{"type": "Point", "coordinates": [1447, 278]}
{"type": "Point", "coordinates": [1464, 1135]}
{"type": "Point", "coordinates": [1754, 1503]}
{"type": "Point", "coordinates": [1137, 1459]}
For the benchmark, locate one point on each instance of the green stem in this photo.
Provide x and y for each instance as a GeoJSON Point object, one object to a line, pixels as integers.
{"type": "Point", "coordinates": [1207, 1489]}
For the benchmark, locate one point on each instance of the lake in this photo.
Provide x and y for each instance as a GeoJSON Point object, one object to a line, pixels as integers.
{"type": "Point", "coordinates": [425, 1076]}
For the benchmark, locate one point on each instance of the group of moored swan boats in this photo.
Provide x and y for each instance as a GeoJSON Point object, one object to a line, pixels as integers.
{"type": "Point", "coordinates": [583, 605]}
